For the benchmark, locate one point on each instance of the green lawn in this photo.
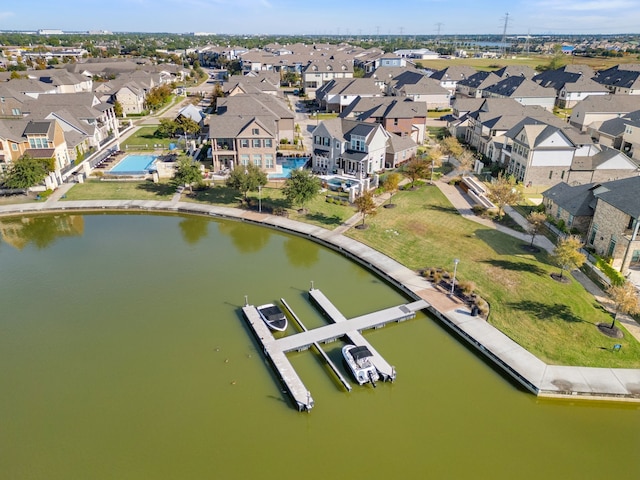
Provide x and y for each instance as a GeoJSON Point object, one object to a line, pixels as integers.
{"type": "Point", "coordinates": [557, 322]}
{"type": "Point", "coordinates": [318, 211]}
{"type": "Point", "coordinates": [98, 190]}
{"type": "Point", "coordinates": [144, 139]}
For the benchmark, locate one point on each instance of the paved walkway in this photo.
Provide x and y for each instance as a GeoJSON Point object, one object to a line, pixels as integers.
{"type": "Point", "coordinates": [538, 377]}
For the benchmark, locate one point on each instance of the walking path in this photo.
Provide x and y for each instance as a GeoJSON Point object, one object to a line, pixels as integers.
{"type": "Point", "coordinates": [511, 358]}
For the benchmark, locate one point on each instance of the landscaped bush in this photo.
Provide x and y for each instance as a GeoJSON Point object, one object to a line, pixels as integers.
{"type": "Point", "coordinates": [614, 275]}
{"type": "Point", "coordinates": [479, 209]}
{"type": "Point", "coordinates": [483, 307]}
{"type": "Point", "coordinates": [467, 287]}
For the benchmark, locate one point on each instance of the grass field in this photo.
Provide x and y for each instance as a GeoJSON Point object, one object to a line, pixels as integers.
{"type": "Point", "coordinates": [98, 190]}
{"type": "Point", "coordinates": [555, 321]}
{"type": "Point", "coordinates": [144, 139]}
{"type": "Point", "coordinates": [532, 61]}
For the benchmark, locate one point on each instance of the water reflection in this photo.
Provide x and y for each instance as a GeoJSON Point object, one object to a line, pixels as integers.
{"type": "Point", "coordinates": [194, 229]}
{"type": "Point", "coordinates": [40, 231]}
{"type": "Point", "coordinates": [301, 254]}
{"type": "Point", "coordinates": [246, 238]}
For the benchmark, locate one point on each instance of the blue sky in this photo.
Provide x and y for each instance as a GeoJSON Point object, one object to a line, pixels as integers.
{"type": "Point", "coordinates": [354, 17]}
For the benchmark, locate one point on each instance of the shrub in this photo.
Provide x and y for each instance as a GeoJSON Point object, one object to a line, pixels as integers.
{"type": "Point", "coordinates": [483, 307]}
{"type": "Point", "coordinates": [479, 209]}
{"type": "Point", "coordinates": [467, 287]}
{"type": "Point", "coordinates": [614, 275]}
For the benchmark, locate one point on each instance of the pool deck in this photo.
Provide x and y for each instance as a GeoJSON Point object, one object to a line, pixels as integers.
{"type": "Point", "coordinates": [608, 384]}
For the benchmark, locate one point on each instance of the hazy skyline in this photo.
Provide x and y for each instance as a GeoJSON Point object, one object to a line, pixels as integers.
{"type": "Point", "coordinates": [327, 17]}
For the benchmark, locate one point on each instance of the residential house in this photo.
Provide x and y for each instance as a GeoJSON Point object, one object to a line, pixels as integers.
{"type": "Point", "coordinates": [614, 210]}
{"type": "Point", "coordinates": [337, 94]}
{"type": "Point", "coordinates": [522, 90]}
{"type": "Point", "coordinates": [572, 84]}
{"type": "Point", "coordinates": [573, 204]}
{"type": "Point", "coordinates": [595, 109]}
{"type": "Point", "coordinates": [237, 140]}
{"type": "Point", "coordinates": [64, 81]}
{"type": "Point", "coordinates": [450, 76]}
{"type": "Point", "coordinates": [631, 137]}
{"type": "Point", "coordinates": [42, 139]}
{"type": "Point", "coordinates": [272, 112]}
{"type": "Point", "coordinates": [424, 90]}
{"type": "Point", "coordinates": [611, 132]}
{"type": "Point", "coordinates": [399, 150]}
{"type": "Point", "coordinates": [622, 79]}
{"type": "Point", "coordinates": [540, 153]}
{"type": "Point", "coordinates": [417, 54]}
{"type": "Point", "coordinates": [515, 71]}
{"type": "Point", "coordinates": [487, 126]}
{"type": "Point", "coordinates": [319, 72]}
{"type": "Point", "coordinates": [402, 117]}
{"type": "Point", "coordinates": [263, 82]}
{"type": "Point", "coordinates": [349, 147]}
{"type": "Point", "coordinates": [472, 86]}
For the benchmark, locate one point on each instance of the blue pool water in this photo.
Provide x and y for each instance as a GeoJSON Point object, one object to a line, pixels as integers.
{"type": "Point", "coordinates": [134, 164]}
{"type": "Point", "coordinates": [289, 164]}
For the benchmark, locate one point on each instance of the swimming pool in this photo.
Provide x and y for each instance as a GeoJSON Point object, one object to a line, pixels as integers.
{"type": "Point", "coordinates": [289, 164]}
{"type": "Point", "coordinates": [134, 164]}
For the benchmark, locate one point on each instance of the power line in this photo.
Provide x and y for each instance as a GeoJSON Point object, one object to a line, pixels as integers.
{"type": "Point", "coordinates": [504, 34]}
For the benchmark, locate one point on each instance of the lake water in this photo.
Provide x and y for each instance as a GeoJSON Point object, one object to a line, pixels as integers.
{"type": "Point", "coordinates": [124, 355]}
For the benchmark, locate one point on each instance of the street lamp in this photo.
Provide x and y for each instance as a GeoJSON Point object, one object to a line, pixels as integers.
{"type": "Point", "coordinates": [260, 198]}
{"type": "Point", "coordinates": [455, 269]}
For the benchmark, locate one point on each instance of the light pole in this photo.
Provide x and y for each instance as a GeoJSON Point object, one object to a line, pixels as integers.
{"type": "Point", "coordinates": [260, 198]}
{"type": "Point", "coordinates": [455, 269]}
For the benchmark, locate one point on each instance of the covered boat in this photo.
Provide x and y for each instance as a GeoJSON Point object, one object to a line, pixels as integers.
{"type": "Point", "coordinates": [273, 317]}
{"type": "Point", "coordinates": [358, 359]}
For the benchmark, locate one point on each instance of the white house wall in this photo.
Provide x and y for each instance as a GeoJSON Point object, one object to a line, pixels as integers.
{"type": "Point", "coordinates": [551, 158]}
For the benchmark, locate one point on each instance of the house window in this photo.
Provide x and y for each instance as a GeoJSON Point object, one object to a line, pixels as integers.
{"type": "Point", "coordinates": [570, 221]}
{"type": "Point", "coordinates": [268, 143]}
{"type": "Point", "coordinates": [255, 131]}
{"type": "Point", "coordinates": [594, 232]}
{"type": "Point", "coordinates": [38, 142]}
{"type": "Point", "coordinates": [337, 144]}
{"type": "Point", "coordinates": [631, 223]}
{"type": "Point", "coordinates": [15, 111]}
{"type": "Point", "coordinates": [14, 147]}
{"type": "Point", "coordinates": [257, 160]}
{"type": "Point", "coordinates": [244, 143]}
{"type": "Point", "coordinates": [244, 160]}
{"type": "Point", "coordinates": [562, 175]}
{"type": "Point", "coordinates": [559, 213]}
{"type": "Point", "coordinates": [612, 247]}
{"type": "Point", "coordinates": [395, 122]}
{"type": "Point", "coordinates": [268, 160]}
{"type": "Point", "coordinates": [550, 174]}
{"type": "Point", "coordinates": [256, 143]}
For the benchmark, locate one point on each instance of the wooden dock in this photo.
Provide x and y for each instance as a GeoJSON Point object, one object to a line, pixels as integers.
{"type": "Point", "coordinates": [296, 389]}
{"type": "Point", "coordinates": [276, 349]}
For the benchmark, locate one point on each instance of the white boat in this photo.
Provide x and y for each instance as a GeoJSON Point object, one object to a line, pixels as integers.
{"type": "Point", "coordinates": [273, 317]}
{"type": "Point", "coordinates": [358, 359]}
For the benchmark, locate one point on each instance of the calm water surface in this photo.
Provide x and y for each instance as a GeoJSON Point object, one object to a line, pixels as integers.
{"type": "Point", "coordinates": [124, 356]}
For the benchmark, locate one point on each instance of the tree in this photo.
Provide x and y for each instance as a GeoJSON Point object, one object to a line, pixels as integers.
{"type": "Point", "coordinates": [25, 172]}
{"type": "Point", "coordinates": [117, 109]}
{"type": "Point", "coordinates": [301, 187]}
{"type": "Point", "coordinates": [536, 221]}
{"type": "Point", "coordinates": [503, 191]}
{"type": "Point", "coordinates": [625, 297]}
{"type": "Point", "coordinates": [451, 147]}
{"type": "Point", "coordinates": [167, 128]}
{"type": "Point", "coordinates": [567, 254]}
{"type": "Point", "coordinates": [466, 160]}
{"type": "Point", "coordinates": [246, 178]}
{"type": "Point", "coordinates": [390, 184]}
{"type": "Point", "coordinates": [187, 172]}
{"type": "Point", "coordinates": [365, 205]}
{"type": "Point", "coordinates": [415, 169]}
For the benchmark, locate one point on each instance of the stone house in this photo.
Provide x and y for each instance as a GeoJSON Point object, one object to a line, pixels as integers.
{"type": "Point", "coordinates": [615, 215]}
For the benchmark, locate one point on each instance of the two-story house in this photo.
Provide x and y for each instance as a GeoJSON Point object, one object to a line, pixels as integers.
{"type": "Point", "coordinates": [349, 147]}
{"type": "Point", "coordinates": [400, 116]}
{"type": "Point", "coordinates": [238, 140]}
{"type": "Point", "coordinates": [612, 212]}
{"type": "Point", "coordinates": [43, 139]}
{"type": "Point", "coordinates": [522, 90]}
{"type": "Point", "coordinates": [318, 72]}
{"type": "Point", "coordinates": [595, 109]}
{"type": "Point", "coordinates": [337, 94]}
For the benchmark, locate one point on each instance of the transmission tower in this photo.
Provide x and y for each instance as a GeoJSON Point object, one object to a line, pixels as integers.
{"type": "Point", "coordinates": [438, 25]}
{"type": "Point", "coordinates": [504, 34]}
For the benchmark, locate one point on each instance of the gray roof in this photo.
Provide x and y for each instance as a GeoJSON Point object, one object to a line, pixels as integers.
{"type": "Point", "coordinates": [396, 143]}
{"type": "Point", "coordinates": [515, 71]}
{"type": "Point", "coordinates": [454, 73]}
{"type": "Point", "coordinates": [624, 76]}
{"type": "Point", "coordinates": [230, 126]}
{"type": "Point", "coordinates": [480, 79]}
{"type": "Point", "coordinates": [384, 107]}
{"type": "Point", "coordinates": [539, 129]}
{"type": "Point", "coordinates": [574, 199]}
{"type": "Point", "coordinates": [609, 103]}
{"type": "Point", "coordinates": [38, 127]}
{"type": "Point", "coordinates": [519, 87]}
{"type": "Point", "coordinates": [621, 194]}
{"type": "Point", "coordinates": [349, 86]}
{"type": "Point", "coordinates": [616, 126]}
